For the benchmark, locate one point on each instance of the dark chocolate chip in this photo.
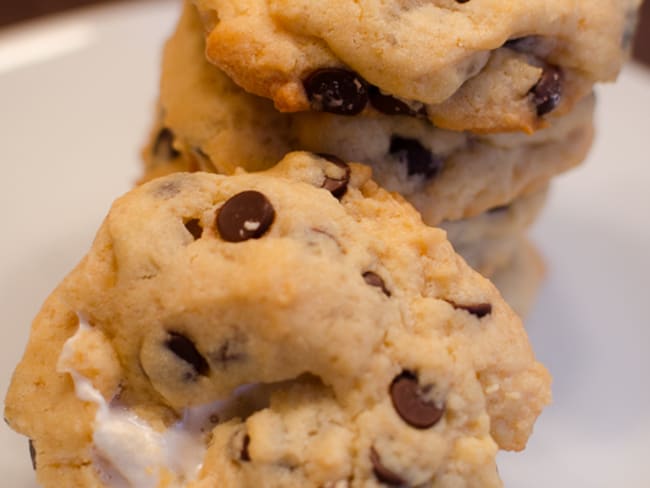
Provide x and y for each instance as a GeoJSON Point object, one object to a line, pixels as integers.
{"type": "Point", "coordinates": [245, 455]}
{"type": "Point", "coordinates": [336, 90]}
{"type": "Point", "coordinates": [373, 279]}
{"type": "Point", "coordinates": [32, 454]}
{"type": "Point", "coordinates": [419, 160]}
{"type": "Point", "coordinates": [547, 93]}
{"type": "Point", "coordinates": [388, 104]}
{"type": "Point", "coordinates": [462, 1]}
{"type": "Point", "coordinates": [163, 147]}
{"type": "Point", "coordinates": [478, 309]}
{"type": "Point", "coordinates": [410, 404]}
{"type": "Point", "coordinates": [185, 349]}
{"type": "Point", "coordinates": [247, 215]}
{"type": "Point", "coordinates": [337, 186]}
{"type": "Point", "coordinates": [193, 226]}
{"type": "Point", "coordinates": [383, 474]}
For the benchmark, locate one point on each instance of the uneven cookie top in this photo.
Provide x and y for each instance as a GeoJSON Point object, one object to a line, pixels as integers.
{"type": "Point", "coordinates": [307, 288]}
{"type": "Point", "coordinates": [447, 175]}
{"type": "Point", "coordinates": [478, 65]}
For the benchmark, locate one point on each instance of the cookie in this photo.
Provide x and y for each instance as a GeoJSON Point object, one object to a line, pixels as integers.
{"type": "Point", "coordinates": [207, 122]}
{"type": "Point", "coordinates": [521, 277]}
{"type": "Point", "coordinates": [295, 327]}
{"type": "Point", "coordinates": [488, 241]}
{"type": "Point", "coordinates": [465, 65]}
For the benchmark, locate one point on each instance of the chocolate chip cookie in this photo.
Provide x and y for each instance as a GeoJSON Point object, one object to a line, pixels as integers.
{"type": "Point", "coordinates": [294, 327]}
{"type": "Point", "coordinates": [206, 122]}
{"type": "Point", "coordinates": [465, 65]}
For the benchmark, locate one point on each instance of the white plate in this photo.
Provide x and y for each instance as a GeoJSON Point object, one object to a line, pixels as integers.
{"type": "Point", "coordinates": [76, 97]}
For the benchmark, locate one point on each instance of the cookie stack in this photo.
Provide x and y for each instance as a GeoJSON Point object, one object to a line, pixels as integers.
{"type": "Point", "coordinates": [261, 311]}
{"type": "Point", "coordinates": [468, 121]}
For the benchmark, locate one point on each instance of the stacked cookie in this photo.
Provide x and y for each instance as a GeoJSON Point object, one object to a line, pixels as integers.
{"type": "Point", "coordinates": [293, 328]}
{"type": "Point", "coordinates": [469, 124]}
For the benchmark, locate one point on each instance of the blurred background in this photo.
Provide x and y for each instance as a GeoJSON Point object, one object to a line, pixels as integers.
{"type": "Point", "coordinates": [17, 11]}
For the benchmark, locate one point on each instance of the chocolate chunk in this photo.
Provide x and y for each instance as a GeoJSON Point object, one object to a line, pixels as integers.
{"type": "Point", "coordinates": [245, 455]}
{"type": "Point", "coordinates": [547, 93]}
{"type": "Point", "coordinates": [390, 105]}
{"type": "Point", "coordinates": [373, 279]}
{"type": "Point", "coordinates": [419, 160]}
{"type": "Point", "coordinates": [247, 215]}
{"type": "Point", "coordinates": [32, 454]}
{"type": "Point", "coordinates": [478, 309]}
{"type": "Point", "coordinates": [337, 186]}
{"type": "Point", "coordinates": [163, 147]}
{"type": "Point", "coordinates": [335, 90]}
{"type": "Point", "coordinates": [462, 1]}
{"type": "Point", "coordinates": [410, 404]}
{"type": "Point", "coordinates": [185, 349]}
{"type": "Point", "coordinates": [193, 226]}
{"type": "Point", "coordinates": [383, 474]}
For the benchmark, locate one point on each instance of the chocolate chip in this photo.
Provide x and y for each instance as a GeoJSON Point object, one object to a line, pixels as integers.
{"type": "Point", "coordinates": [546, 94]}
{"type": "Point", "coordinates": [412, 407]}
{"type": "Point", "coordinates": [336, 90]}
{"type": "Point", "coordinates": [185, 349]}
{"type": "Point", "coordinates": [245, 455]}
{"type": "Point", "coordinates": [383, 474]}
{"type": "Point", "coordinates": [337, 186]}
{"type": "Point", "coordinates": [478, 309]}
{"type": "Point", "coordinates": [418, 159]}
{"type": "Point", "coordinates": [373, 279]}
{"type": "Point", "coordinates": [462, 1]}
{"type": "Point", "coordinates": [163, 147]}
{"type": "Point", "coordinates": [32, 454]}
{"type": "Point", "coordinates": [247, 215]}
{"type": "Point", "coordinates": [193, 226]}
{"type": "Point", "coordinates": [390, 105]}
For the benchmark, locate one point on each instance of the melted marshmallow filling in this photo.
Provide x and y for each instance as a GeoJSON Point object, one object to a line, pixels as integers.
{"type": "Point", "coordinates": [128, 452]}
